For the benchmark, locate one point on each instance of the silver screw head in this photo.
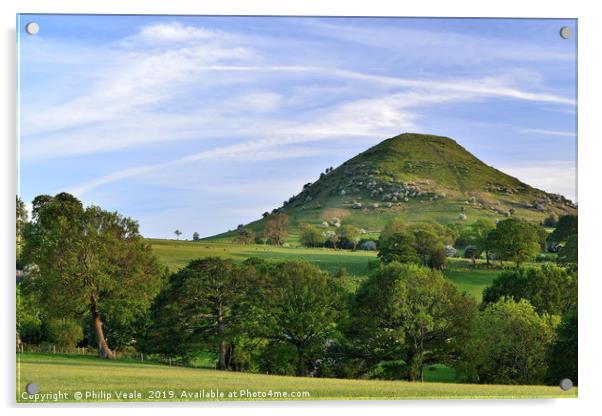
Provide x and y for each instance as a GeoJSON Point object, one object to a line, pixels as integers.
{"type": "Point", "coordinates": [32, 388]}
{"type": "Point", "coordinates": [32, 28]}
{"type": "Point", "coordinates": [565, 32]}
{"type": "Point", "coordinates": [566, 384]}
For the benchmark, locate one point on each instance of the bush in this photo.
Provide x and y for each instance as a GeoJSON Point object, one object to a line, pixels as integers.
{"type": "Point", "coordinates": [65, 333]}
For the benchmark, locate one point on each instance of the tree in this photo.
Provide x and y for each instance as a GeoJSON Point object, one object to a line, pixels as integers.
{"type": "Point", "coordinates": [412, 313]}
{"type": "Point", "coordinates": [429, 246]}
{"type": "Point", "coordinates": [178, 233]}
{"type": "Point", "coordinates": [568, 254]}
{"type": "Point", "coordinates": [349, 236]}
{"type": "Point", "coordinates": [21, 217]}
{"type": "Point", "coordinates": [549, 288]}
{"type": "Point", "coordinates": [311, 236]}
{"type": "Point", "coordinates": [393, 227]}
{"type": "Point", "coordinates": [516, 240]}
{"type": "Point", "coordinates": [482, 240]}
{"type": "Point", "coordinates": [422, 243]}
{"type": "Point", "coordinates": [550, 221]}
{"type": "Point", "coordinates": [567, 226]}
{"type": "Point", "coordinates": [28, 317]}
{"type": "Point", "coordinates": [562, 354]}
{"type": "Point", "coordinates": [397, 246]}
{"type": "Point", "coordinates": [298, 306]}
{"type": "Point", "coordinates": [332, 239]}
{"type": "Point", "coordinates": [196, 236]}
{"type": "Point", "coordinates": [66, 333]}
{"type": "Point", "coordinates": [275, 228]}
{"type": "Point", "coordinates": [508, 344]}
{"type": "Point", "coordinates": [90, 263]}
{"type": "Point", "coordinates": [199, 307]}
{"type": "Point", "coordinates": [244, 236]}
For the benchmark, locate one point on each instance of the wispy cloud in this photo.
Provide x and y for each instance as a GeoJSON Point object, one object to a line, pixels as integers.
{"type": "Point", "coordinates": [549, 132]}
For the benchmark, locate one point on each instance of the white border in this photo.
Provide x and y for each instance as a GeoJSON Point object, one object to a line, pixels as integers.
{"type": "Point", "coordinates": [590, 36]}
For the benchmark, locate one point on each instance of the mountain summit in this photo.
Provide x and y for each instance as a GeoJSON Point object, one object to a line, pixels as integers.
{"type": "Point", "coordinates": [418, 177]}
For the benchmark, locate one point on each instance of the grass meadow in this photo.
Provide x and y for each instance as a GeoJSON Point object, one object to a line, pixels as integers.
{"type": "Point", "coordinates": [176, 254]}
{"type": "Point", "coordinates": [153, 382]}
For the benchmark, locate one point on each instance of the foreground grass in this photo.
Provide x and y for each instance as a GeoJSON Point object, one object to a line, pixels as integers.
{"type": "Point", "coordinates": [71, 374]}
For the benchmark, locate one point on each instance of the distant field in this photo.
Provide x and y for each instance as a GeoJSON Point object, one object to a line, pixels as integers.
{"type": "Point", "coordinates": [71, 374]}
{"type": "Point", "coordinates": [176, 254]}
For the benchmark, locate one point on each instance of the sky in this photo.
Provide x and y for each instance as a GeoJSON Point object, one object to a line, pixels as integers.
{"type": "Point", "coordinates": [203, 123]}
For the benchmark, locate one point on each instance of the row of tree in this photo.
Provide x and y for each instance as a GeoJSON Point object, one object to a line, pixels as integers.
{"type": "Point", "coordinates": [292, 318]}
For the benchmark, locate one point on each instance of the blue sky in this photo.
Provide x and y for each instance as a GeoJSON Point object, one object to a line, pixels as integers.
{"type": "Point", "coordinates": [203, 123]}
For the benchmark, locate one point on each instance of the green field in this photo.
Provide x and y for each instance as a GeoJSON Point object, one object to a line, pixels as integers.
{"type": "Point", "coordinates": [70, 374]}
{"type": "Point", "coordinates": [176, 254]}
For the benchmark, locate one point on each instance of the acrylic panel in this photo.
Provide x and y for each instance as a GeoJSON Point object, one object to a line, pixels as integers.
{"type": "Point", "coordinates": [295, 208]}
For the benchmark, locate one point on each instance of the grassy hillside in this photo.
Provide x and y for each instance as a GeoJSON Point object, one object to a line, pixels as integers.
{"type": "Point", "coordinates": [419, 178]}
{"type": "Point", "coordinates": [71, 374]}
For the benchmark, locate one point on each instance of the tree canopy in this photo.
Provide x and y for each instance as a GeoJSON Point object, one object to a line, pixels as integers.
{"type": "Point", "coordinates": [508, 344]}
{"type": "Point", "coordinates": [549, 288]}
{"type": "Point", "coordinates": [89, 263]}
{"type": "Point", "coordinates": [516, 240]}
{"type": "Point", "coordinates": [199, 308]}
{"type": "Point", "coordinates": [412, 313]}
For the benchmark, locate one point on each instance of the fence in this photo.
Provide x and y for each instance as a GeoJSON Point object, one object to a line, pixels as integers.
{"type": "Point", "coordinates": [124, 354]}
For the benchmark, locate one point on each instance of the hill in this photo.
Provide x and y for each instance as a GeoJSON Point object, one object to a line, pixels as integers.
{"type": "Point", "coordinates": [420, 178]}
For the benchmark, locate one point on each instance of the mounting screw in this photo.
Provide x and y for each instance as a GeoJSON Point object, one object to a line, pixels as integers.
{"type": "Point", "coordinates": [566, 384]}
{"type": "Point", "coordinates": [565, 32]}
{"type": "Point", "coordinates": [32, 28]}
{"type": "Point", "coordinates": [32, 388]}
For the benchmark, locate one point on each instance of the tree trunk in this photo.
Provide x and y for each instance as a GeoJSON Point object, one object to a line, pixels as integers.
{"type": "Point", "coordinates": [103, 348]}
{"type": "Point", "coordinates": [412, 373]}
{"type": "Point", "coordinates": [300, 365]}
{"type": "Point", "coordinates": [222, 342]}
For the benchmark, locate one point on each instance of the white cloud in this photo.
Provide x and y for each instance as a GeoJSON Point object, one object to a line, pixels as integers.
{"type": "Point", "coordinates": [551, 176]}
{"type": "Point", "coordinates": [174, 31]}
{"type": "Point", "coordinates": [549, 132]}
{"type": "Point", "coordinates": [440, 46]}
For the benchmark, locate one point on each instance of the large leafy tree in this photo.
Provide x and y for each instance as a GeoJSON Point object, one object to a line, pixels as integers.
{"type": "Point", "coordinates": [480, 232]}
{"type": "Point", "coordinates": [421, 243]}
{"type": "Point", "coordinates": [412, 313]}
{"type": "Point", "coordinates": [549, 288]}
{"type": "Point", "coordinates": [90, 263]}
{"type": "Point", "coordinates": [276, 228]}
{"type": "Point", "coordinates": [200, 308]}
{"type": "Point", "coordinates": [562, 355]}
{"type": "Point", "coordinates": [311, 236]}
{"type": "Point", "coordinates": [516, 240]}
{"type": "Point", "coordinates": [509, 343]}
{"type": "Point", "coordinates": [298, 305]}
{"type": "Point", "coordinates": [349, 236]}
{"type": "Point", "coordinates": [566, 227]}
